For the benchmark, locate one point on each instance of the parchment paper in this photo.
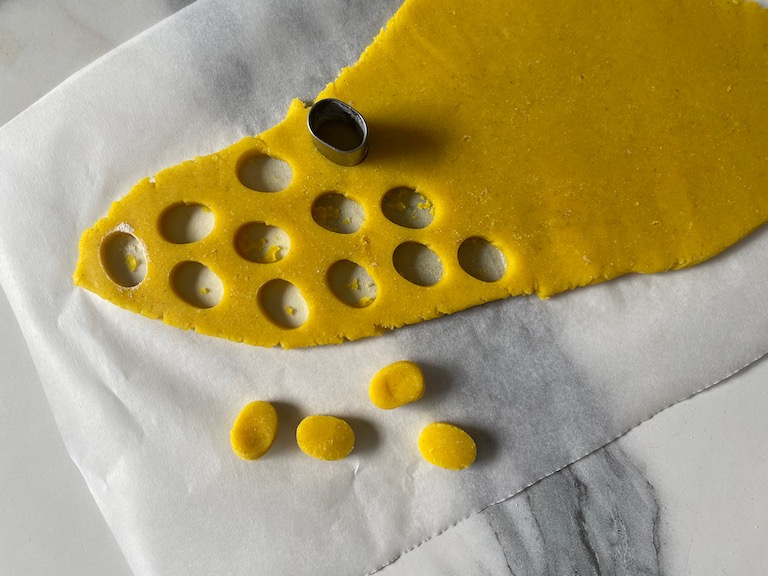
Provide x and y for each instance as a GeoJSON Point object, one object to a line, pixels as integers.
{"type": "Point", "coordinates": [145, 409]}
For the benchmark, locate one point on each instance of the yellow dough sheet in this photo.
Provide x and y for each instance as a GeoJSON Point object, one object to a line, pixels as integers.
{"type": "Point", "coordinates": [515, 148]}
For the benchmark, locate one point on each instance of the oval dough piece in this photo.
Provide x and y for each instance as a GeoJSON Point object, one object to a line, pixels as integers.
{"type": "Point", "coordinates": [254, 430]}
{"type": "Point", "coordinates": [325, 437]}
{"type": "Point", "coordinates": [447, 446]}
{"type": "Point", "coordinates": [396, 385]}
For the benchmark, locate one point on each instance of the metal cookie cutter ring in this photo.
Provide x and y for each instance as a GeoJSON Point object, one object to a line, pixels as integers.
{"type": "Point", "coordinates": [339, 131]}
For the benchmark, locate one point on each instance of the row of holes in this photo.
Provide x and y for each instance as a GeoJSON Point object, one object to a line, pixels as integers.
{"type": "Point", "coordinates": [125, 263]}
{"type": "Point", "coordinates": [197, 285]}
{"type": "Point", "coordinates": [280, 300]}
{"type": "Point", "coordinates": [188, 223]}
{"type": "Point", "coordinates": [403, 206]}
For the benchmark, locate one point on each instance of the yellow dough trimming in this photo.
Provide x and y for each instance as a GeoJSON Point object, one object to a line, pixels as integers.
{"type": "Point", "coordinates": [582, 141]}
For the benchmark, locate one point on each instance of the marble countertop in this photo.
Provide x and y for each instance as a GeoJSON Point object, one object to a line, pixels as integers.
{"type": "Point", "coordinates": [683, 493]}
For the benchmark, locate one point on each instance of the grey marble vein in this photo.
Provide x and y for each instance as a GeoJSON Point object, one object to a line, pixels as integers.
{"type": "Point", "coordinates": [176, 5]}
{"type": "Point", "coordinates": [598, 517]}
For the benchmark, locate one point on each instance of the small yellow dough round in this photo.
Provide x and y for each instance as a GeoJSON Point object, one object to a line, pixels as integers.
{"type": "Point", "coordinates": [447, 446]}
{"type": "Point", "coordinates": [397, 384]}
{"type": "Point", "coordinates": [254, 430]}
{"type": "Point", "coordinates": [325, 437]}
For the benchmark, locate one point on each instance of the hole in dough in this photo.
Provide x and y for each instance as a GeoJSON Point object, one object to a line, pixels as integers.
{"type": "Point", "coordinates": [197, 285]}
{"type": "Point", "coordinates": [262, 243]}
{"type": "Point", "coordinates": [481, 259]}
{"type": "Point", "coordinates": [417, 264]}
{"type": "Point", "coordinates": [352, 284]}
{"type": "Point", "coordinates": [124, 259]}
{"type": "Point", "coordinates": [337, 213]}
{"type": "Point", "coordinates": [264, 173]}
{"type": "Point", "coordinates": [283, 303]}
{"type": "Point", "coordinates": [186, 223]}
{"type": "Point", "coordinates": [408, 208]}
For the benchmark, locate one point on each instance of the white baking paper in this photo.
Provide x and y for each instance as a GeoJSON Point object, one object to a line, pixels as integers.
{"type": "Point", "coordinates": [145, 409]}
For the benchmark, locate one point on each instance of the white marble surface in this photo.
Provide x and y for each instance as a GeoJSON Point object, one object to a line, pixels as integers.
{"type": "Point", "coordinates": [49, 523]}
{"type": "Point", "coordinates": [42, 42]}
{"type": "Point", "coordinates": [693, 477]}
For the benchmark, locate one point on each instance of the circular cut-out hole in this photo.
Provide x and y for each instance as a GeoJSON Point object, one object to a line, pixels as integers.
{"type": "Point", "coordinates": [282, 302]}
{"type": "Point", "coordinates": [197, 284]}
{"type": "Point", "coordinates": [352, 284]}
{"type": "Point", "coordinates": [481, 259]}
{"type": "Point", "coordinates": [186, 223]}
{"type": "Point", "coordinates": [408, 208]}
{"type": "Point", "coordinates": [337, 213]}
{"type": "Point", "coordinates": [417, 263]}
{"type": "Point", "coordinates": [124, 259]}
{"type": "Point", "coordinates": [264, 173]}
{"type": "Point", "coordinates": [262, 243]}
